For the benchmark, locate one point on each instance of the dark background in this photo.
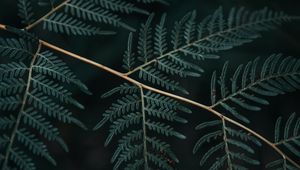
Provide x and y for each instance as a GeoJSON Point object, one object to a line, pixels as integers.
{"type": "Point", "coordinates": [86, 147]}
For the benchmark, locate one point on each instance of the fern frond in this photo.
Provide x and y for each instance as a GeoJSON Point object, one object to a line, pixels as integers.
{"type": "Point", "coordinates": [47, 3]}
{"type": "Point", "coordinates": [11, 86]}
{"type": "Point", "coordinates": [12, 70]}
{"type": "Point", "coordinates": [6, 122]}
{"type": "Point", "coordinates": [30, 89]}
{"type": "Point", "coordinates": [226, 139]}
{"type": "Point", "coordinates": [281, 164]}
{"type": "Point", "coordinates": [140, 120]}
{"type": "Point", "coordinates": [10, 103]}
{"type": "Point", "coordinates": [250, 83]}
{"type": "Point", "coordinates": [104, 12]}
{"type": "Point", "coordinates": [194, 41]}
{"type": "Point", "coordinates": [21, 159]}
{"type": "Point", "coordinates": [287, 134]}
{"type": "Point", "coordinates": [120, 6]}
{"type": "Point", "coordinates": [128, 59]}
{"type": "Point", "coordinates": [158, 78]}
{"type": "Point", "coordinates": [15, 48]}
{"type": "Point", "coordinates": [151, 1]}
{"type": "Point", "coordinates": [25, 11]}
{"type": "Point", "coordinates": [62, 23]}
{"type": "Point", "coordinates": [49, 65]}
{"type": "Point", "coordinates": [145, 40]}
{"type": "Point", "coordinates": [87, 11]}
{"type": "Point", "coordinates": [34, 145]}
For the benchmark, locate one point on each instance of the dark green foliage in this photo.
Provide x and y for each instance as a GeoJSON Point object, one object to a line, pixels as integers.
{"type": "Point", "coordinates": [191, 41]}
{"type": "Point", "coordinates": [280, 164]}
{"type": "Point", "coordinates": [236, 145]}
{"type": "Point", "coordinates": [287, 134]}
{"type": "Point", "coordinates": [87, 11]}
{"type": "Point", "coordinates": [252, 82]}
{"type": "Point", "coordinates": [79, 14]}
{"type": "Point", "coordinates": [25, 11]}
{"type": "Point", "coordinates": [33, 93]}
{"type": "Point", "coordinates": [151, 1]}
{"type": "Point", "coordinates": [62, 23]}
{"type": "Point", "coordinates": [138, 120]}
{"type": "Point", "coordinates": [15, 48]}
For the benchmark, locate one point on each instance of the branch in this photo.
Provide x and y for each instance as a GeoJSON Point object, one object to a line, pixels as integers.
{"type": "Point", "coordinates": [177, 97]}
{"type": "Point", "coordinates": [144, 128]}
{"type": "Point", "coordinates": [185, 100]}
{"type": "Point", "coordinates": [21, 112]}
{"type": "Point", "coordinates": [46, 15]}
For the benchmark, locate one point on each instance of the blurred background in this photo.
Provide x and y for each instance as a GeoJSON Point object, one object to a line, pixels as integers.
{"type": "Point", "coordinates": [87, 151]}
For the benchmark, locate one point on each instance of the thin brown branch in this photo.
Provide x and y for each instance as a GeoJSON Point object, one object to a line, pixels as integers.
{"type": "Point", "coordinates": [177, 97]}
{"type": "Point", "coordinates": [185, 100]}
{"type": "Point", "coordinates": [144, 128]}
{"type": "Point", "coordinates": [41, 19]}
{"type": "Point", "coordinates": [21, 112]}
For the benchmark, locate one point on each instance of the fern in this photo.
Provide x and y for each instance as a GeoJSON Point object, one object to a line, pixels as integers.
{"type": "Point", "coordinates": [33, 86]}
{"type": "Point", "coordinates": [64, 24]}
{"type": "Point", "coordinates": [289, 138]}
{"type": "Point", "coordinates": [280, 164]}
{"type": "Point", "coordinates": [151, 1]}
{"type": "Point", "coordinates": [28, 97]}
{"type": "Point", "coordinates": [15, 48]}
{"type": "Point", "coordinates": [191, 41]}
{"type": "Point", "coordinates": [120, 6]}
{"type": "Point", "coordinates": [230, 139]}
{"type": "Point", "coordinates": [25, 11]}
{"type": "Point", "coordinates": [250, 83]}
{"type": "Point", "coordinates": [87, 11]}
{"type": "Point", "coordinates": [81, 17]}
{"type": "Point", "coordinates": [137, 120]}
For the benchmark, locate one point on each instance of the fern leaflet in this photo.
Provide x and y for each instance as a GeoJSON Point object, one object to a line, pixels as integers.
{"type": "Point", "coordinates": [236, 144]}
{"type": "Point", "coordinates": [156, 61]}
{"type": "Point", "coordinates": [138, 119]}
{"type": "Point", "coordinates": [25, 11]}
{"type": "Point", "coordinates": [289, 138]}
{"type": "Point", "coordinates": [79, 16]}
{"type": "Point", "coordinates": [250, 83]}
{"type": "Point", "coordinates": [280, 164]}
{"type": "Point", "coordinates": [29, 89]}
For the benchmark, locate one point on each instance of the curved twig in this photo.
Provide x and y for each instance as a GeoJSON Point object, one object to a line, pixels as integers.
{"type": "Point", "coordinates": [177, 97]}
{"type": "Point", "coordinates": [41, 19]}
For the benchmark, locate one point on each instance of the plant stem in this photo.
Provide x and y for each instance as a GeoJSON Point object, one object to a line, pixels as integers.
{"type": "Point", "coordinates": [226, 144]}
{"type": "Point", "coordinates": [185, 100]}
{"type": "Point", "coordinates": [19, 117]}
{"type": "Point", "coordinates": [46, 15]}
{"type": "Point", "coordinates": [144, 129]}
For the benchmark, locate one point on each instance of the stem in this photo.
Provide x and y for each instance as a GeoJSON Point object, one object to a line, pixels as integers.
{"type": "Point", "coordinates": [185, 100]}
{"type": "Point", "coordinates": [144, 129]}
{"type": "Point", "coordinates": [226, 145]}
{"type": "Point", "coordinates": [46, 15]}
{"type": "Point", "coordinates": [24, 101]}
